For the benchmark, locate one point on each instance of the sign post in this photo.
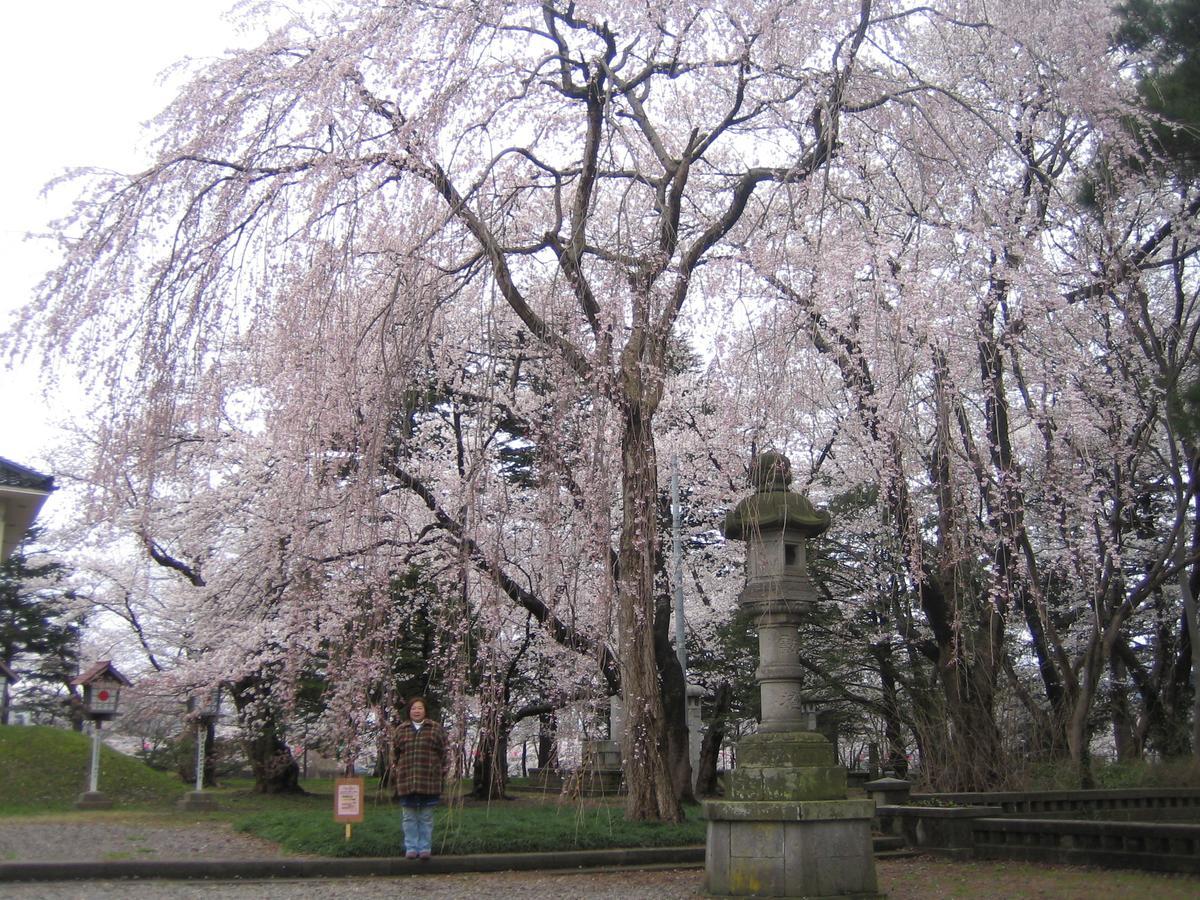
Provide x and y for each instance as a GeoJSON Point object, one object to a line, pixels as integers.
{"type": "Point", "coordinates": [348, 802]}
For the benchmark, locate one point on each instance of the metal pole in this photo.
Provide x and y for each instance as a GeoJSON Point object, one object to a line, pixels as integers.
{"type": "Point", "coordinates": [677, 568]}
{"type": "Point", "coordinates": [94, 779]}
{"type": "Point", "coordinates": [201, 734]}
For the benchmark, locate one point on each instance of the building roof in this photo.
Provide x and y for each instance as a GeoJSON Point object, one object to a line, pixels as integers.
{"type": "Point", "coordinates": [22, 493]}
{"type": "Point", "coordinates": [15, 475]}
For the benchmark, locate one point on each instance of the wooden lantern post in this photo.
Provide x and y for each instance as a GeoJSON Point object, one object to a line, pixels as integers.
{"type": "Point", "coordinates": [204, 708]}
{"type": "Point", "coordinates": [101, 686]}
{"type": "Point", "coordinates": [7, 677]}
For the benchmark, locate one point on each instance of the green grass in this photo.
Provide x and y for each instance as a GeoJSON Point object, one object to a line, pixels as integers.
{"type": "Point", "coordinates": [502, 827]}
{"type": "Point", "coordinates": [46, 769]}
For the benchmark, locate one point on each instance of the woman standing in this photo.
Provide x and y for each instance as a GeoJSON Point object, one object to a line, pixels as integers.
{"type": "Point", "coordinates": [421, 763]}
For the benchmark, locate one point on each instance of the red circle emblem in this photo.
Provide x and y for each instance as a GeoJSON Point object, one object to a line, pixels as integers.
{"type": "Point", "coordinates": [102, 696]}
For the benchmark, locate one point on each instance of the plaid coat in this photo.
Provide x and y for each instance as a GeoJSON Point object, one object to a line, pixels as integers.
{"type": "Point", "coordinates": [421, 759]}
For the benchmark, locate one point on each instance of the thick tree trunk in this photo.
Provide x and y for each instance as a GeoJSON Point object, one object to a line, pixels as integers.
{"type": "Point", "coordinates": [651, 794]}
{"type": "Point", "coordinates": [1124, 737]}
{"type": "Point", "coordinates": [897, 759]}
{"type": "Point", "coordinates": [275, 770]}
{"type": "Point", "coordinates": [1079, 734]}
{"type": "Point", "coordinates": [1190, 588]}
{"type": "Point", "coordinates": [674, 699]}
{"type": "Point", "coordinates": [975, 758]}
{"type": "Point", "coordinates": [489, 775]}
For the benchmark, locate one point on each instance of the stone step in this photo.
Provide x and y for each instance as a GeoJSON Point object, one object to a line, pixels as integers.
{"type": "Point", "coordinates": [906, 853]}
{"type": "Point", "coordinates": [883, 842]}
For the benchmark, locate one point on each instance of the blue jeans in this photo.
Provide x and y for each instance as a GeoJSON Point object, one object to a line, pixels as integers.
{"type": "Point", "coordinates": [417, 817]}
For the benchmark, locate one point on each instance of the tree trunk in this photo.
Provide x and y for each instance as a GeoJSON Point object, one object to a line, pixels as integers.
{"type": "Point", "coordinates": [547, 742]}
{"type": "Point", "coordinates": [1122, 721]}
{"type": "Point", "coordinates": [1079, 734]}
{"type": "Point", "coordinates": [897, 758]}
{"type": "Point", "coordinates": [275, 770]}
{"type": "Point", "coordinates": [489, 775]}
{"type": "Point", "coordinates": [651, 794]}
{"type": "Point", "coordinates": [1189, 583]}
{"type": "Point", "coordinates": [707, 784]}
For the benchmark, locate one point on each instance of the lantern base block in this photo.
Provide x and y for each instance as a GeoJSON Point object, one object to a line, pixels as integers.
{"type": "Point", "coordinates": [790, 849]}
{"type": "Point", "coordinates": [798, 765]}
{"type": "Point", "coordinates": [93, 800]}
{"type": "Point", "coordinates": [198, 801]}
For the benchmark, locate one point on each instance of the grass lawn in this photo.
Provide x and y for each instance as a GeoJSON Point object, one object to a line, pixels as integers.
{"type": "Point", "coordinates": [43, 771]}
{"type": "Point", "coordinates": [527, 823]}
{"type": "Point", "coordinates": [46, 769]}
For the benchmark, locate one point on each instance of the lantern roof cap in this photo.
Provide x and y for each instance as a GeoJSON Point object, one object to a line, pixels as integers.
{"type": "Point", "coordinates": [99, 670]}
{"type": "Point", "coordinates": [773, 505]}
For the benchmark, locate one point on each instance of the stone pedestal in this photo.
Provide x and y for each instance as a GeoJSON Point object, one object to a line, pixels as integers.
{"type": "Point", "coordinates": [888, 791]}
{"type": "Point", "coordinates": [601, 773]}
{"type": "Point", "coordinates": [819, 848]}
{"type": "Point", "coordinates": [198, 801]}
{"type": "Point", "coordinates": [93, 800]}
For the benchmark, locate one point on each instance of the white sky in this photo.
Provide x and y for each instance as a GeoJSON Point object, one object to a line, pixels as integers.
{"type": "Point", "coordinates": [77, 80]}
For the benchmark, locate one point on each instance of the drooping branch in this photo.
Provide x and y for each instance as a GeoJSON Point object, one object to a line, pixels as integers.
{"type": "Point", "coordinates": [563, 633]}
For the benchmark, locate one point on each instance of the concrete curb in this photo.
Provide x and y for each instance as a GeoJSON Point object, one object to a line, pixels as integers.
{"type": "Point", "coordinates": [226, 870]}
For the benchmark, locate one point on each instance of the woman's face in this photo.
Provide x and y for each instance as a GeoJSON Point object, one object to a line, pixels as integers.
{"type": "Point", "coordinates": [416, 712]}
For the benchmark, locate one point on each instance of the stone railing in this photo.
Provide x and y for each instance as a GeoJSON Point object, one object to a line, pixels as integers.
{"type": "Point", "coordinates": [1128, 805]}
{"type": "Point", "coordinates": [934, 830]}
{"type": "Point", "coordinates": [979, 832]}
{"type": "Point", "coordinates": [1157, 847]}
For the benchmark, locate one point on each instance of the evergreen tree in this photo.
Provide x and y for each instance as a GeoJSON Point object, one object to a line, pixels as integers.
{"type": "Point", "coordinates": [39, 639]}
{"type": "Point", "coordinates": [1169, 33]}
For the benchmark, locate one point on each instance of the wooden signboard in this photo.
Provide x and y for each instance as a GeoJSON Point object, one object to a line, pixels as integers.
{"type": "Point", "coordinates": [348, 799]}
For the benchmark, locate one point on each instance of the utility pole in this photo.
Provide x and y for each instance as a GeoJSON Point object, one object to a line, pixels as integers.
{"type": "Point", "coordinates": [677, 567]}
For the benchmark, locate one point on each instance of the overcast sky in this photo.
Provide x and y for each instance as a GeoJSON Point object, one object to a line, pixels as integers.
{"type": "Point", "coordinates": [77, 80]}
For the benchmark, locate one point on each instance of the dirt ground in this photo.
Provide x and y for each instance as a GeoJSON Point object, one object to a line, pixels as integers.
{"type": "Point", "coordinates": [917, 879]}
{"type": "Point", "coordinates": [53, 839]}
{"type": "Point", "coordinates": [923, 878]}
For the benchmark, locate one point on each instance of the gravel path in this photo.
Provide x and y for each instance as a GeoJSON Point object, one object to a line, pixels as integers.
{"type": "Point", "coordinates": [915, 879]}
{"type": "Point", "coordinates": [640, 884]}
{"type": "Point", "coordinates": [50, 840]}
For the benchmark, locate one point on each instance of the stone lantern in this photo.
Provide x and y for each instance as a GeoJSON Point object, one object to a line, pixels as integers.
{"type": "Point", "coordinates": [101, 686]}
{"type": "Point", "coordinates": [785, 828]}
{"type": "Point", "coordinates": [203, 708]}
